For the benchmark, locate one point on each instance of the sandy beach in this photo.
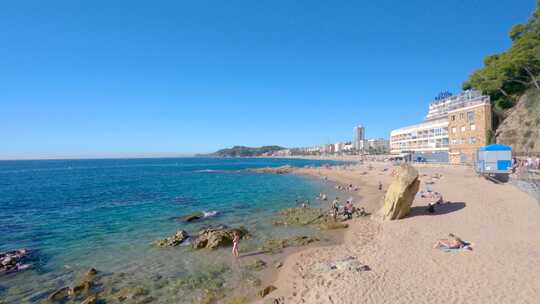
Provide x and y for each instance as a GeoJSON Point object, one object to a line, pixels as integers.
{"type": "Point", "coordinates": [498, 219]}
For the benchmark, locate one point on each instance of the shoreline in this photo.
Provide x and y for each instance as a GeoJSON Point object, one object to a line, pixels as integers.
{"type": "Point", "coordinates": [368, 196]}
{"type": "Point", "coordinates": [500, 220]}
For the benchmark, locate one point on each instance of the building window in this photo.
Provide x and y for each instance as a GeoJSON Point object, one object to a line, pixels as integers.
{"type": "Point", "coordinates": [453, 130]}
{"type": "Point", "coordinates": [472, 140]}
{"type": "Point", "coordinates": [454, 141]}
{"type": "Point", "coordinates": [453, 117]}
{"type": "Point", "coordinates": [470, 116]}
{"type": "Point", "coordinates": [473, 127]}
{"type": "Point", "coordinates": [461, 115]}
{"type": "Point", "coordinates": [463, 129]}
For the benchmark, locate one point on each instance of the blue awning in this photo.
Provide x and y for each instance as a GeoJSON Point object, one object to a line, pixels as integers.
{"type": "Point", "coordinates": [496, 147]}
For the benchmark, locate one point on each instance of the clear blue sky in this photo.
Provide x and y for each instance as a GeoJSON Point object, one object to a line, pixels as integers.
{"type": "Point", "coordinates": [105, 77]}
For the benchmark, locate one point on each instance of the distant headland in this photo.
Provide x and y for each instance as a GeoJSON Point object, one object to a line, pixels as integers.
{"type": "Point", "coordinates": [243, 151]}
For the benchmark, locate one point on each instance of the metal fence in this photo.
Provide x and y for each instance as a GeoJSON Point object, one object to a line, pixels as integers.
{"type": "Point", "coordinates": [528, 180]}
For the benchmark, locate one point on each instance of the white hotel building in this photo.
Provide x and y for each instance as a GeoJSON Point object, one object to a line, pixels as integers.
{"type": "Point", "coordinates": [431, 136]}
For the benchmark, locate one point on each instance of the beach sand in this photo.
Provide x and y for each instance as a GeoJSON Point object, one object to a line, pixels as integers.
{"type": "Point", "coordinates": [501, 222]}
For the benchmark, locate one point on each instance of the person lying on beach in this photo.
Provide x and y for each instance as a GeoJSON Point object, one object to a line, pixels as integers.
{"type": "Point", "coordinates": [453, 242]}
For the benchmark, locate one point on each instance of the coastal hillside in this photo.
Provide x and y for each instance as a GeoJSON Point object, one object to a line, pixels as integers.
{"type": "Point", "coordinates": [512, 80]}
{"type": "Point", "coordinates": [242, 151]}
{"type": "Point", "coordinates": [521, 129]}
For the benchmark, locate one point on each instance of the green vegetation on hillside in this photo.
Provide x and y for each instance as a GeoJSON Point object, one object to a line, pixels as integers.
{"type": "Point", "coordinates": [508, 75]}
{"type": "Point", "coordinates": [241, 151]}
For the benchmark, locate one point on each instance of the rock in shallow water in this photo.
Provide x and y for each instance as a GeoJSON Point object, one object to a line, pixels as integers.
{"type": "Point", "coordinates": [90, 300]}
{"type": "Point", "coordinates": [172, 241]}
{"type": "Point", "coordinates": [276, 245]}
{"type": "Point", "coordinates": [276, 170]}
{"type": "Point", "coordinates": [193, 217]}
{"type": "Point", "coordinates": [59, 295]}
{"type": "Point", "coordinates": [215, 237]}
{"type": "Point", "coordinates": [13, 261]}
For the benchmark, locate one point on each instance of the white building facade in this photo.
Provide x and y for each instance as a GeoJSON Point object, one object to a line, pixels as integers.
{"type": "Point", "coordinates": [431, 136]}
{"type": "Point", "coordinates": [378, 144]}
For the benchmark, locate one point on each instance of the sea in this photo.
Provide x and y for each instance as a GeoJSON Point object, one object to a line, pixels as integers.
{"type": "Point", "coordinates": [106, 213]}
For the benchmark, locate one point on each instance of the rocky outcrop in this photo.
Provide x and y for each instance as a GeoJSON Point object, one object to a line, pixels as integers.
{"type": "Point", "coordinates": [13, 261]}
{"type": "Point", "coordinates": [276, 245]}
{"type": "Point", "coordinates": [400, 195]}
{"type": "Point", "coordinates": [215, 237]}
{"type": "Point", "coordinates": [521, 128]}
{"type": "Point", "coordinates": [333, 225]}
{"type": "Point", "coordinates": [276, 170]}
{"type": "Point", "coordinates": [300, 216]}
{"type": "Point", "coordinates": [308, 216]}
{"type": "Point", "coordinates": [59, 295]}
{"type": "Point", "coordinates": [256, 265]}
{"type": "Point", "coordinates": [172, 241]}
{"type": "Point", "coordinates": [267, 290]}
{"type": "Point", "coordinates": [90, 300]}
{"type": "Point", "coordinates": [82, 288]}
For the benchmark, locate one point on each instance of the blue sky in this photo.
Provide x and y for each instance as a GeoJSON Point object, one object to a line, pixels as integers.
{"type": "Point", "coordinates": [107, 77]}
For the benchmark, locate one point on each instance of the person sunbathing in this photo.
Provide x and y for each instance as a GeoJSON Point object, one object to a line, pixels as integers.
{"type": "Point", "coordinates": [453, 242]}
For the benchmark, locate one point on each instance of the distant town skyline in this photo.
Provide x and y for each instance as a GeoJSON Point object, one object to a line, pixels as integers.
{"type": "Point", "coordinates": [99, 79]}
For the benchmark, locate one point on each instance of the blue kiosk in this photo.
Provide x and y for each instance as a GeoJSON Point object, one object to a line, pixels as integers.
{"type": "Point", "coordinates": [494, 159]}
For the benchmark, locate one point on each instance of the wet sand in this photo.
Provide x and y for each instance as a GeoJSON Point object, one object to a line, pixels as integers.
{"type": "Point", "coordinates": [500, 221]}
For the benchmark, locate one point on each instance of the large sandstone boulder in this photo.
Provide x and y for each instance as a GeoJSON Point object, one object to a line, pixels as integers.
{"type": "Point", "coordinates": [400, 195]}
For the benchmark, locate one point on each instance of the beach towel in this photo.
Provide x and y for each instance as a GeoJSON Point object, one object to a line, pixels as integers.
{"type": "Point", "coordinates": [466, 248]}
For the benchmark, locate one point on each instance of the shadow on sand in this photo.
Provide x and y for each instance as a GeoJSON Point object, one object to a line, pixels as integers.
{"type": "Point", "coordinates": [440, 209]}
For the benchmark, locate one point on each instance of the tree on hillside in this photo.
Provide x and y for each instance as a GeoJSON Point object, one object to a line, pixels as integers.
{"type": "Point", "coordinates": [514, 71]}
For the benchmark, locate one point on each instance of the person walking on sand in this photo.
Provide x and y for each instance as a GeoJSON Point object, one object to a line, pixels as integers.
{"type": "Point", "coordinates": [236, 240]}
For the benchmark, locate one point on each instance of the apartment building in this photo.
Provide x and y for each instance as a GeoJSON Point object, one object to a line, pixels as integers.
{"type": "Point", "coordinates": [468, 129]}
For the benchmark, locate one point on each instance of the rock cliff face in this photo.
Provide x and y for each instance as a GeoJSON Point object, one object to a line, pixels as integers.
{"type": "Point", "coordinates": [521, 128]}
{"type": "Point", "coordinates": [400, 195]}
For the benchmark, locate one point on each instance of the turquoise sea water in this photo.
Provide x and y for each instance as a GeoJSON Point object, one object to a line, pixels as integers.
{"type": "Point", "coordinates": [76, 214]}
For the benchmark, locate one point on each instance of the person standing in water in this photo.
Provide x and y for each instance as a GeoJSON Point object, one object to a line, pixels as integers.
{"type": "Point", "coordinates": [236, 240]}
{"type": "Point", "coordinates": [335, 208]}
